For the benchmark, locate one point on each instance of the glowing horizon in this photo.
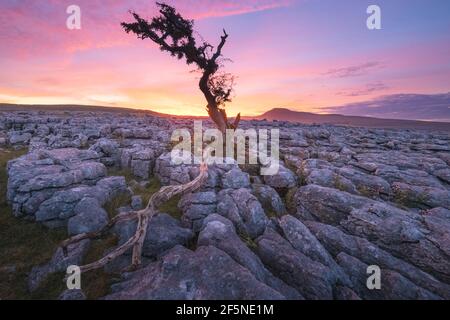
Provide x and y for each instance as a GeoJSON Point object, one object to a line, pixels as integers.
{"type": "Point", "coordinates": [300, 55]}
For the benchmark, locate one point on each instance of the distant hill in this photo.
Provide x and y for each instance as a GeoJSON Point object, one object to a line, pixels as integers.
{"type": "Point", "coordinates": [72, 107]}
{"type": "Point", "coordinates": [87, 108]}
{"type": "Point", "coordinates": [282, 114]}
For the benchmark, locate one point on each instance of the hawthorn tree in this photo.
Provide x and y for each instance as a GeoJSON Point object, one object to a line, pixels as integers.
{"type": "Point", "coordinates": [175, 35]}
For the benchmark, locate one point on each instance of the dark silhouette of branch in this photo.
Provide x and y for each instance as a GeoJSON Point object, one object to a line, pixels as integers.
{"type": "Point", "coordinates": [174, 34]}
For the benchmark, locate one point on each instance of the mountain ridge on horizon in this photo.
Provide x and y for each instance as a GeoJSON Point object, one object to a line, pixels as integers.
{"type": "Point", "coordinates": [278, 114]}
{"type": "Point", "coordinates": [285, 114]}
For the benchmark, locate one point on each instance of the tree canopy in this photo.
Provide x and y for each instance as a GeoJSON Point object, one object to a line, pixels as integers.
{"type": "Point", "coordinates": [175, 35]}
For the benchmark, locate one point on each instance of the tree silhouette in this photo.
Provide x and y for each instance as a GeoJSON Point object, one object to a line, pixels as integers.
{"type": "Point", "coordinates": [174, 34]}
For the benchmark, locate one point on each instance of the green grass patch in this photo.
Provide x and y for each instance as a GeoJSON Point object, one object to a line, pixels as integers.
{"type": "Point", "coordinates": [290, 200]}
{"type": "Point", "coordinates": [247, 240]}
{"type": "Point", "coordinates": [170, 207]}
{"type": "Point", "coordinates": [96, 283]}
{"type": "Point", "coordinates": [121, 200]}
{"type": "Point", "coordinates": [23, 244]}
{"type": "Point", "coordinates": [270, 213]}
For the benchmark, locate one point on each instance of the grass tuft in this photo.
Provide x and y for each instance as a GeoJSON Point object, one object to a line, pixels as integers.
{"type": "Point", "coordinates": [153, 186]}
{"type": "Point", "coordinates": [23, 244]}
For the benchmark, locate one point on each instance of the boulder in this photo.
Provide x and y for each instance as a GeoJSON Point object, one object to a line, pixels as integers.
{"type": "Point", "coordinates": [244, 210]}
{"type": "Point", "coordinates": [235, 179]}
{"type": "Point", "coordinates": [136, 202]}
{"type": "Point", "coordinates": [204, 274]}
{"type": "Point", "coordinates": [19, 137]}
{"type": "Point", "coordinates": [221, 234]}
{"type": "Point", "coordinates": [336, 241]}
{"type": "Point", "coordinates": [58, 263]}
{"type": "Point", "coordinates": [305, 242]}
{"type": "Point", "coordinates": [62, 203]}
{"type": "Point", "coordinates": [196, 207]}
{"type": "Point", "coordinates": [394, 286]}
{"type": "Point", "coordinates": [72, 294]}
{"type": "Point", "coordinates": [312, 279]}
{"type": "Point", "coordinates": [282, 180]}
{"type": "Point", "coordinates": [163, 233]}
{"type": "Point", "coordinates": [269, 198]}
{"type": "Point", "coordinates": [398, 231]}
{"type": "Point", "coordinates": [420, 196]}
{"type": "Point", "coordinates": [89, 217]}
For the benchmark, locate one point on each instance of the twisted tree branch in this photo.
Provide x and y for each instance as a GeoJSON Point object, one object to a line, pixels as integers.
{"type": "Point", "coordinates": [143, 216]}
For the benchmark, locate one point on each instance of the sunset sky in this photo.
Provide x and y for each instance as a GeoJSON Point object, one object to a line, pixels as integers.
{"type": "Point", "coordinates": [304, 55]}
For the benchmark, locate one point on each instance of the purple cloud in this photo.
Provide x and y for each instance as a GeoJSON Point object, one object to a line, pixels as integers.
{"type": "Point", "coordinates": [366, 90]}
{"type": "Point", "coordinates": [353, 71]}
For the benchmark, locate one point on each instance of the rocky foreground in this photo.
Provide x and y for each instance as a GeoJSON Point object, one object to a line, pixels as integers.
{"type": "Point", "coordinates": [345, 198]}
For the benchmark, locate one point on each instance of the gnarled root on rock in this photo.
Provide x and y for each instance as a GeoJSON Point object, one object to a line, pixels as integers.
{"type": "Point", "coordinates": [143, 217]}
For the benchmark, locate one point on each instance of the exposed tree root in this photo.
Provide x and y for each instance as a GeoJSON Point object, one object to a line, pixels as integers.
{"type": "Point", "coordinates": [143, 217]}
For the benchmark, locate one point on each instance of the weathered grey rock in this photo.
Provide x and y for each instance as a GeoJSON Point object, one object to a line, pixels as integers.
{"type": "Point", "coordinates": [269, 198]}
{"type": "Point", "coordinates": [85, 171]}
{"type": "Point", "coordinates": [438, 212]}
{"type": "Point", "coordinates": [318, 133]}
{"type": "Point", "coordinates": [37, 176]}
{"type": "Point", "coordinates": [222, 235]}
{"type": "Point", "coordinates": [367, 185]}
{"type": "Point", "coordinates": [403, 161]}
{"type": "Point", "coordinates": [66, 156]}
{"type": "Point", "coordinates": [58, 263]}
{"type": "Point", "coordinates": [19, 137]}
{"type": "Point", "coordinates": [142, 163]}
{"type": "Point", "coordinates": [312, 279]}
{"type": "Point", "coordinates": [328, 205]}
{"type": "Point", "coordinates": [370, 167]}
{"type": "Point", "coordinates": [207, 273]}
{"type": "Point", "coordinates": [196, 207]}
{"type": "Point", "coordinates": [438, 222]}
{"type": "Point", "coordinates": [89, 217]}
{"type": "Point", "coordinates": [243, 209]}
{"type": "Point", "coordinates": [422, 197]}
{"type": "Point", "coordinates": [72, 294]}
{"type": "Point", "coordinates": [107, 147]}
{"type": "Point", "coordinates": [394, 286]}
{"type": "Point", "coordinates": [407, 230]}
{"type": "Point", "coordinates": [136, 202]}
{"type": "Point", "coordinates": [345, 293]}
{"type": "Point", "coordinates": [108, 188]}
{"type": "Point", "coordinates": [397, 231]}
{"type": "Point", "coordinates": [336, 241]}
{"type": "Point", "coordinates": [409, 176]}
{"type": "Point", "coordinates": [284, 179]}
{"type": "Point", "coordinates": [329, 178]}
{"type": "Point", "coordinates": [217, 217]}
{"type": "Point", "coordinates": [62, 204]}
{"type": "Point", "coordinates": [235, 179]}
{"type": "Point", "coordinates": [304, 241]}
{"type": "Point", "coordinates": [163, 233]}
{"type": "Point", "coordinates": [444, 175]}
{"type": "Point", "coordinates": [170, 173]}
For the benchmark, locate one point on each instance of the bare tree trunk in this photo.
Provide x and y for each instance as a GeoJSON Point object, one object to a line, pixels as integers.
{"type": "Point", "coordinates": [212, 107]}
{"type": "Point", "coordinates": [143, 216]}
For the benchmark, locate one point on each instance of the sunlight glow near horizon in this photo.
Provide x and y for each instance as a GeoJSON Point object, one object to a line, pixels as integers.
{"type": "Point", "coordinates": [297, 54]}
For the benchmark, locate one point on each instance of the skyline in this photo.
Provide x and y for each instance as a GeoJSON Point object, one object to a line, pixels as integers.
{"type": "Point", "coordinates": [302, 55]}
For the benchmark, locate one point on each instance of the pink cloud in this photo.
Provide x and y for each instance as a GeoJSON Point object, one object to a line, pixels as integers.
{"type": "Point", "coordinates": [209, 8]}
{"type": "Point", "coordinates": [31, 28]}
{"type": "Point", "coordinates": [277, 64]}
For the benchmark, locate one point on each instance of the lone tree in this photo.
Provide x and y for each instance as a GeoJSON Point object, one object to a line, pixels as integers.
{"type": "Point", "coordinates": [175, 34]}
